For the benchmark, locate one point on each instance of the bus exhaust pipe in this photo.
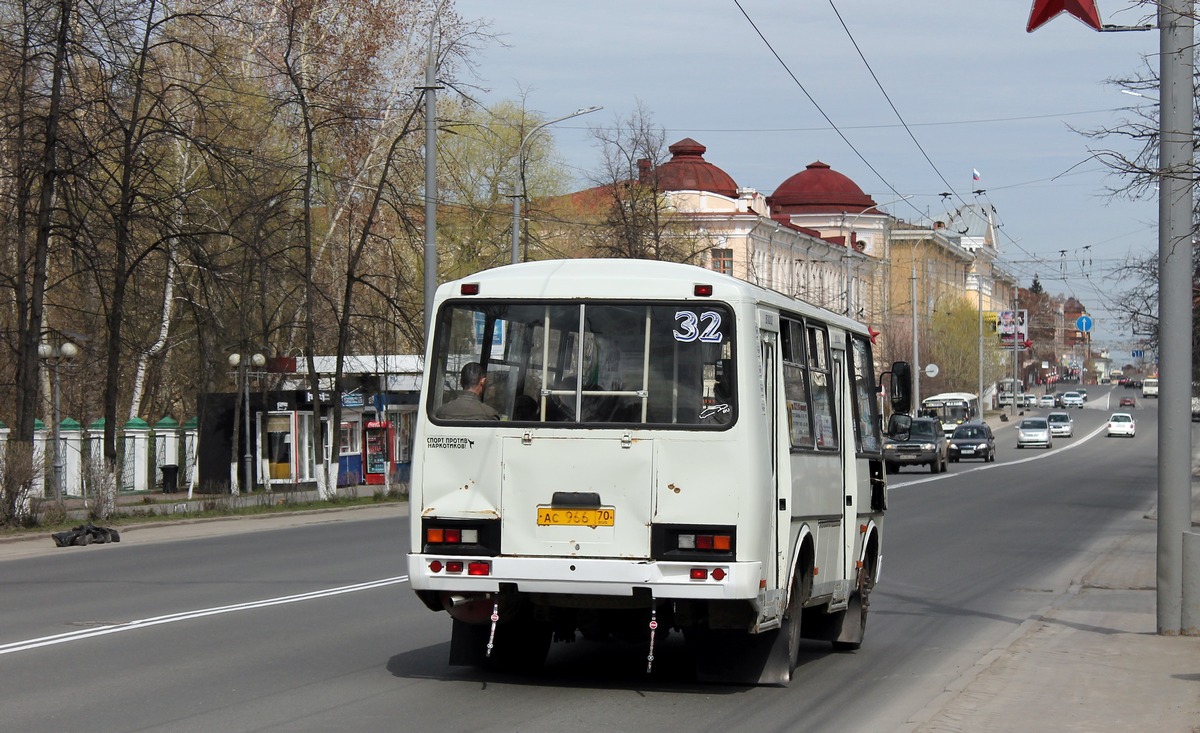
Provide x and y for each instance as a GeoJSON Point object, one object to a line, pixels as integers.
{"type": "Point", "coordinates": [471, 608]}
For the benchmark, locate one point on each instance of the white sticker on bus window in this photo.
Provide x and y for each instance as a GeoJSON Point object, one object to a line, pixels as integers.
{"type": "Point", "coordinates": [704, 327]}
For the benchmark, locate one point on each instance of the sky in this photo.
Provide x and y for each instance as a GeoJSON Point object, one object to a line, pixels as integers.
{"type": "Point", "coordinates": [972, 91]}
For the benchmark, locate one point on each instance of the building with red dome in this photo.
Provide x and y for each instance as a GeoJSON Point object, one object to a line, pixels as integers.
{"type": "Point", "coordinates": [743, 238]}
{"type": "Point", "coordinates": [819, 237]}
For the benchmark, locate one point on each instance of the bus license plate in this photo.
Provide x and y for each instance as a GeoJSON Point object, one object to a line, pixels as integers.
{"type": "Point", "coordinates": [557, 516]}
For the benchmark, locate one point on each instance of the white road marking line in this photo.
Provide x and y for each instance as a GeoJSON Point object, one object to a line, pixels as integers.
{"type": "Point", "coordinates": [20, 646]}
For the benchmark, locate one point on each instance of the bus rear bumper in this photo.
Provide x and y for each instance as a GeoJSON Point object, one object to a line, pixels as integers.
{"type": "Point", "coordinates": [590, 576]}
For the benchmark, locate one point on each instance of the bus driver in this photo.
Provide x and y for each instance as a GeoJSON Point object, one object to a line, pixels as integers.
{"type": "Point", "coordinates": [469, 404]}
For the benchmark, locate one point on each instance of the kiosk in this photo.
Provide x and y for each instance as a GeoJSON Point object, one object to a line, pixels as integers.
{"type": "Point", "coordinates": [377, 454]}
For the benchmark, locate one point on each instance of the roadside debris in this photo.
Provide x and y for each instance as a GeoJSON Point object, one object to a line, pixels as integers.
{"type": "Point", "coordinates": [86, 534]}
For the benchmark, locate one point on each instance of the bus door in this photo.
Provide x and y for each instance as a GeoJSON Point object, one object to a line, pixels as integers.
{"type": "Point", "coordinates": [844, 415]}
{"type": "Point", "coordinates": [770, 366]}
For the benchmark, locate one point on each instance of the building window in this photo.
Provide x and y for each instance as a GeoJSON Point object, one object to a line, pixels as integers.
{"type": "Point", "coordinates": [722, 261]}
{"type": "Point", "coordinates": [350, 438]}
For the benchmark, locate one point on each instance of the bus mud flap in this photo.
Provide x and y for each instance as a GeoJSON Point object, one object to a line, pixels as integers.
{"type": "Point", "coordinates": [468, 644]}
{"type": "Point", "coordinates": [853, 623]}
{"type": "Point", "coordinates": [739, 657]}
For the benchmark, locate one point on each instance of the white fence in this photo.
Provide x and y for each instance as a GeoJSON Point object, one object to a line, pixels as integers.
{"type": "Point", "coordinates": [142, 453]}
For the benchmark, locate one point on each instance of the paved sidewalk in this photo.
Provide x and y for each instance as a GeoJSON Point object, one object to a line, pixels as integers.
{"type": "Point", "coordinates": [1092, 662]}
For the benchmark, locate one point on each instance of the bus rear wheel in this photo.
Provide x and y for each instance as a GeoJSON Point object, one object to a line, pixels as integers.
{"type": "Point", "coordinates": [854, 625]}
{"type": "Point", "coordinates": [801, 590]}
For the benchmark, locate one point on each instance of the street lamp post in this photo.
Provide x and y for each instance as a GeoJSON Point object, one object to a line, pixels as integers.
{"type": "Point", "coordinates": [979, 297]}
{"type": "Point", "coordinates": [242, 364]}
{"type": "Point", "coordinates": [517, 196]}
{"type": "Point", "coordinates": [54, 356]}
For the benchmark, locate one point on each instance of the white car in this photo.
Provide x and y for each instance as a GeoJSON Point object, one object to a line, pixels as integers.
{"type": "Point", "coordinates": [1072, 399]}
{"type": "Point", "coordinates": [1047, 400]}
{"type": "Point", "coordinates": [1121, 423]}
{"type": "Point", "coordinates": [1061, 424]}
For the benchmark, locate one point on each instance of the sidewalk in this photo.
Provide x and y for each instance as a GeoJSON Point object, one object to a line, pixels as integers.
{"type": "Point", "coordinates": [149, 503]}
{"type": "Point", "coordinates": [1092, 662]}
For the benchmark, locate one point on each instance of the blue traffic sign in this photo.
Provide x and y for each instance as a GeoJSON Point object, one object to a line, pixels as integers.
{"type": "Point", "coordinates": [1084, 323]}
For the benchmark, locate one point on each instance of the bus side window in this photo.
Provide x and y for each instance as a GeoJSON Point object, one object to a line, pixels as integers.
{"type": "Point", "coordinates": [795, 384]}
{"type": "Point", "coordinates": [866, 422]}
{"type": "Point", "coordinates": [821, 387]}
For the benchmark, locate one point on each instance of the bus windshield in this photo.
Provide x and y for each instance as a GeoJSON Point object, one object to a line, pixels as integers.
{"type": "Point", "coordinates": [588, 362]}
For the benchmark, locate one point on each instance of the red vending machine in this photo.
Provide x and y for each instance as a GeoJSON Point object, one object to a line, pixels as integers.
{"type": "Point", "coordinates": [377, 456]}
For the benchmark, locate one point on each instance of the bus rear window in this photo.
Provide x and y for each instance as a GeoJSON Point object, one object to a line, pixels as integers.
{"type": "Point", "coordinates": [587, 362]}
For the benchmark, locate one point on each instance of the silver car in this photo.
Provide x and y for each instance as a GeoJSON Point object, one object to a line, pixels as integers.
{"type": "Point", "coordinates": [1034, 432]}
{"type": "Point", "coordinates": [1061, 424]}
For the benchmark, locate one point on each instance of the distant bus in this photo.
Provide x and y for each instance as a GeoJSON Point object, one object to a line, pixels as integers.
{"type": "Point", "coordinates": [1150, 387]}
{"type": "Point", "coordinates": [1005, 389]}
{"type": "Point", "coordinates": [952, 408]}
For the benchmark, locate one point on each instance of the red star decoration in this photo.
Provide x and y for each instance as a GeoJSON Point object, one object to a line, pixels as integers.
{"type": "Point", "coordinates": [873, 333]}
{"type": "Point", "coordinates": [1044, 10]}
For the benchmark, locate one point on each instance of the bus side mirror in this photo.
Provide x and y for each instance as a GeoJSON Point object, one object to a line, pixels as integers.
{"type": "Point", "coordinates": [899, 426]}
{"type": "Point", "coordinates": [901, 391]}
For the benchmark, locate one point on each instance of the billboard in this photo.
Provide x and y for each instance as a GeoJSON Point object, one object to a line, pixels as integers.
{"type": "Point", "coordinates": [1012, 322]}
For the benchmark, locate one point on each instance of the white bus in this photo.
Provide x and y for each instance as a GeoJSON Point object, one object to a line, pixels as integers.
{"type": "Point", "coordinates": [1150, 387]}
{"type": "Point", "coordinates": [1006, 389]}
{"type": "Point", "coordinates": [672, 449]}
{"type": "Point", "coordinates": [952, 408]}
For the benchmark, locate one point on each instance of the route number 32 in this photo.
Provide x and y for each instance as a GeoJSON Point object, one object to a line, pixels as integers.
{"type": "Point", "coordinates": [704, 327]}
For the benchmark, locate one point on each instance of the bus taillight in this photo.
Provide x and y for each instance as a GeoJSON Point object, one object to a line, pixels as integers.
{"type": "Point", "coordinates": [479, 568]}
{"type": "Point", "coordinates": [715, 542]}
{"type": "Point", "coordinates": [451, 536]}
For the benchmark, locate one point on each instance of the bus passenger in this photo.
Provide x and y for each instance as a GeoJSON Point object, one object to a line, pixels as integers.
{"type": "Point", "coordinates": [469, 404]}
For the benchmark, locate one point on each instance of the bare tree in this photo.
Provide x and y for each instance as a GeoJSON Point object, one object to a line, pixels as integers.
{"type": "Point", "coordinates": [1137, 176]}
{"type": "Point", "coordinates": [636, 219]}
{"type": "Point", "coordinates": [34, 91]}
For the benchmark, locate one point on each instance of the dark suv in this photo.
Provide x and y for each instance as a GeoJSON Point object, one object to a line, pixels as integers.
{"type": "Point", "coordinates": [915, 441]}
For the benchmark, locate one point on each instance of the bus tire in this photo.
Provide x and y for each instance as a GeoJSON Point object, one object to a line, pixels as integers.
{"type": "Point", "coordinates": [793, 615]}
{"type": "Point", "coordinates": [854, 623]}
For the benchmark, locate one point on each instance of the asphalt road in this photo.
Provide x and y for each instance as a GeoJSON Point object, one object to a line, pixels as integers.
{"type": "Point", "coordinates": [310, 626]}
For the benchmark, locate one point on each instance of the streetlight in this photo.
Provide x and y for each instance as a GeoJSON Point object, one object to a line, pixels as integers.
{"type": "Point", "coordinates": [242, 364]}
{"type": "Point", "coordinates": [1132, 93]}
{"type": "Point", "coordinates": [516, 197]}
{"type": "Point", "coordinates": [54, 356]}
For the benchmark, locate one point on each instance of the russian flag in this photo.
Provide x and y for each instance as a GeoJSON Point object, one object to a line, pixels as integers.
{"type": "Point", "coordinates": [974, 174]}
